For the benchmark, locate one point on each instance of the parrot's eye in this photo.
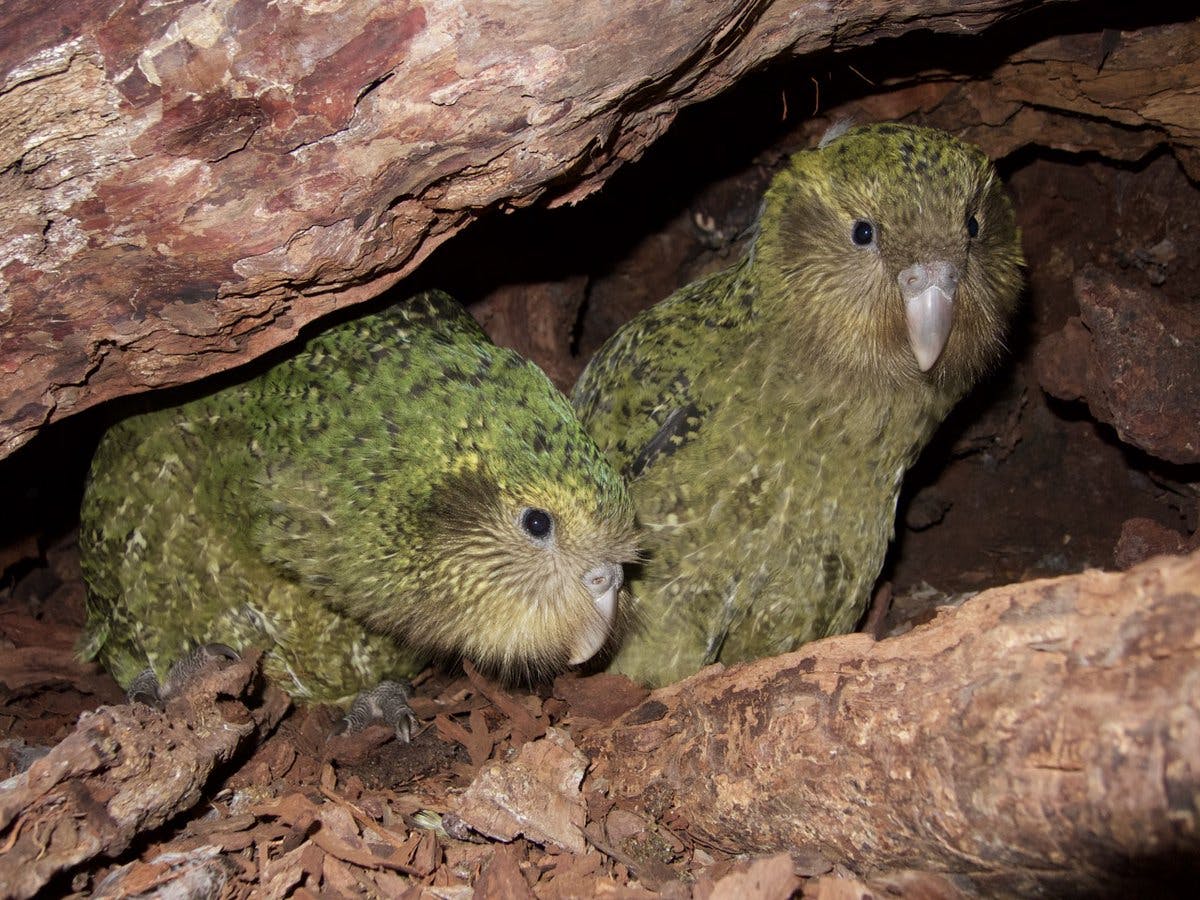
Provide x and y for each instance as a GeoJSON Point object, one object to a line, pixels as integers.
{"type": "Point", "coordinates": [536, 522]}
{"type": "Point", "coordinates": [972, 227]}
{"type": "Point", "coordinates": [862, 233]}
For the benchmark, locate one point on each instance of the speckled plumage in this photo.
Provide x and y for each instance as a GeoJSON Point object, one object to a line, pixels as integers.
{"type": "Point", "coordinates": [765, 415]}
{"type": "Point", "coordinates": [353, 510]}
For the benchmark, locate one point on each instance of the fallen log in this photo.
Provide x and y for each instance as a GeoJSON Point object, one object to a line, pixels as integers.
{"type": "Point", "coordinates": [126, 770]}
{"type": "Point", "coordinates": [1042, 737]}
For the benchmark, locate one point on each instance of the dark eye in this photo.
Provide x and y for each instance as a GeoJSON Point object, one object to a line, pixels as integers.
{"type": "Point", "coordinates": [973, 227]}
{"type": "Point", "coordinates": [536, 522]}
{"type": "Point", "coordinates": [863, 233]}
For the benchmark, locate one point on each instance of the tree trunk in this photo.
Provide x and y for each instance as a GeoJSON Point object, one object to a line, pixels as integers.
{"type": "Point", "coordinates": [183, 185]}
{"type": "Point", "coordinates": [1041, 737]}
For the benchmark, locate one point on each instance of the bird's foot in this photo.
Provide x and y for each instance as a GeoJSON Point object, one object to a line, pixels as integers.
{"type": "Point", "coordinates": [145, 688]}
{"type": "Point", "coordinates": [386, 702]}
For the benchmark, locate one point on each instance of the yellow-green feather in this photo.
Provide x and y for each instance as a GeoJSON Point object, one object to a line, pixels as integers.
{"type": "Point", "coordinates": [318, 509]}
{"type": "Point", "coordinates": [766, 414]}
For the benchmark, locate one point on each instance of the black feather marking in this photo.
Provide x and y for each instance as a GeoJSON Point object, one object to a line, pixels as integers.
{"type": "Point", "coordinates": [834, 570]}
{"type": "Point", "coordinates": [681, 425]}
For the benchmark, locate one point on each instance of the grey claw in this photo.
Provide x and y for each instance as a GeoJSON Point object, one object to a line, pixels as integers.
{"type": "Point", "coordinates": [387, 702]}
{"type": "Point", "coordinates": [145, 688]}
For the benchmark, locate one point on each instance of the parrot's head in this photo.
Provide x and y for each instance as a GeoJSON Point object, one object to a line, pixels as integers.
{"type": "Point", "coordinates": [894, 249]}
{"type": "Point", "coordinates": [524, 540]}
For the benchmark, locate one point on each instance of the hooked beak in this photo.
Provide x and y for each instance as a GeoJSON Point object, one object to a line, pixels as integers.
{"type": "Point", "coordinates": [928, 290]}
{"type": "Point", "coordinates": [603, 584]}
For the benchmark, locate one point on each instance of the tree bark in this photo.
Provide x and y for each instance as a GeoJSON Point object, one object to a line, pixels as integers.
{"type": "Point", "coordinates": [126, 770]}
{"type": "Point", "coordinates": [1041, 737]}
{"type": "Point", "coordinates": [182, 186]}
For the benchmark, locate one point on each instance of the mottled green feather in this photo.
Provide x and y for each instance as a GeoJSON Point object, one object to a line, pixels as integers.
{"type": "Point", "coordinates": [353, 510]}
{"type": "Point", "coordinates": [766, 415]}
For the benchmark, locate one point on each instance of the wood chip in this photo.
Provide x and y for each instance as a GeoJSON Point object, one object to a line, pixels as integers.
{"type": "Point", "coordinates": [601, 698]}
{"type": "Point", "coordinates": [501, 877]}
{"type": "Point", "coordinates": [536, 795]}
{"type": "Point", "coordinates": [768, 878]}
{"type": "Point", "coordinates": [478, 740]}
{"type": "Point", "coordinates": [523, 721]}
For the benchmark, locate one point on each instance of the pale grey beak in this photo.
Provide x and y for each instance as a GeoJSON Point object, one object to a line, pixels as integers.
{"type": "Point", "coordinates": [603, 583]}
{"type": "Point", "coordinates": [928, 290]}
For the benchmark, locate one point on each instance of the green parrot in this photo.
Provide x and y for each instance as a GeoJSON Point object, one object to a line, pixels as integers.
{"type": "Point", "coordinates": [400, 489]}
{"type": "Point", "coordinates": [765, 416]}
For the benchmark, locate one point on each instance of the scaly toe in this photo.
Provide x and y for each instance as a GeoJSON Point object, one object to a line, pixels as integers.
{"type": "Point", "coordinates": [386, 702]}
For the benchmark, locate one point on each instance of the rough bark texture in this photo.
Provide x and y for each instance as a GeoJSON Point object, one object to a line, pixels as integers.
{"type": "Point", "coordinates": [1141, 82]}
{"type": "Point", "coordinates": [126, 770]}
{"type": "Point", "coordinates": [182, 186]}
{"type": "Point", "coordinates": [1041, 737]}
